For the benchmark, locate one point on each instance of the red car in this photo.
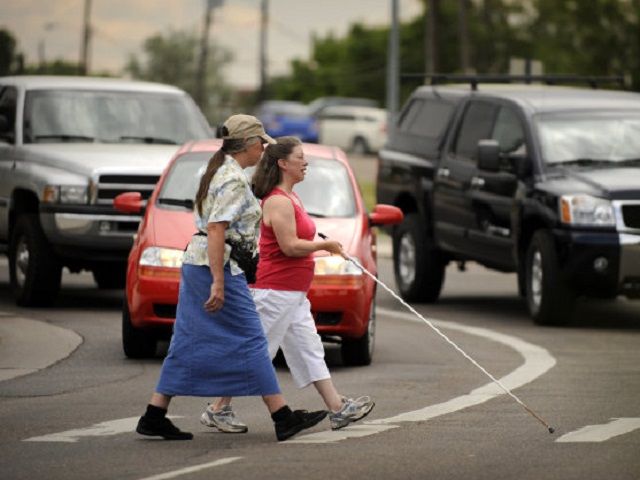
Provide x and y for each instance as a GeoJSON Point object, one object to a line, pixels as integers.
{"type": "Point", "coordinates": [342, 297]}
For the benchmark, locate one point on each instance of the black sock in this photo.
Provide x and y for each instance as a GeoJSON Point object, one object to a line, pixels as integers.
{"type": "Point", "coordinates": [155, 412]}
{"type": "Point", "coordinates": [281, 414]}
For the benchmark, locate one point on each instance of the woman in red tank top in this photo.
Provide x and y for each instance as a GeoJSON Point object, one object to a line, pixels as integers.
{"type": "Point", "coordinates": [284, 275]}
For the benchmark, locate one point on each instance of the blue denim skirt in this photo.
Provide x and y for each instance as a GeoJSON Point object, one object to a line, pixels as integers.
{"type": "Point", "coordinates": [216, 354]}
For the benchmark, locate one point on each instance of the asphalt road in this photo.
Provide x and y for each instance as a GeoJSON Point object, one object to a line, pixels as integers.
{"type": "Point", "coordinates": [435, 415]}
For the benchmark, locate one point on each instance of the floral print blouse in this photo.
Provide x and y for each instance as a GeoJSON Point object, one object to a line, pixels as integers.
{"type": "Point", "coordinates": [230, 199]}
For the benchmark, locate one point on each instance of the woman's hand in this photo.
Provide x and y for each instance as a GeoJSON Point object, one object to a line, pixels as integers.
{"type": "Point", "coordinates": [333, 247]}
{"type": "Point", "coordinates": [216, 298]}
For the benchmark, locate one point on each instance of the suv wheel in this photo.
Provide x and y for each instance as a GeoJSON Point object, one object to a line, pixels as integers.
{"type": "Point", "coordinates": [359, 352]}
{"type": "Point", "coordinates": [136, 342]}
{"type": "Point", "coordinates": [418, 267]}
{"type": "Point", "coordinates": [549, 299]}
{"type": "Point", "coordinates": [34, 270]}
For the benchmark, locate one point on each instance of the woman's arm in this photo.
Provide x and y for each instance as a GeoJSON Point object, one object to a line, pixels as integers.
{"type": "Point", "coordinates": [215, 251]}
{"type": "Point", "coordinates": [278, 213]}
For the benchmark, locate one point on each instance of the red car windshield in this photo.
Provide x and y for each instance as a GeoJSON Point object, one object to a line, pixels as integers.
{"type": "Point", "coordinates": [325, 192]}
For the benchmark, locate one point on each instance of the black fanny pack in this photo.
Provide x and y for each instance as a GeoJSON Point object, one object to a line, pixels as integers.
{"type": "Point", "coordinates": [243, 255]}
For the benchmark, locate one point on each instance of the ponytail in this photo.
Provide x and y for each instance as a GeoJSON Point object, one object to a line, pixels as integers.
{"type": "Point", "coordinates": [229, 146]}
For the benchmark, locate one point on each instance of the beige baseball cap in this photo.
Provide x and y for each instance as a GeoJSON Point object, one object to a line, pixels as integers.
{"type": "Point", "coordinates": [243, 126]}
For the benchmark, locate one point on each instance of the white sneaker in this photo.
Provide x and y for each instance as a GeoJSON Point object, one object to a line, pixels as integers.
{"type": "Point", "coordinates": [224, 420]}
{"type": "Point", "coordinates": [352, 410]}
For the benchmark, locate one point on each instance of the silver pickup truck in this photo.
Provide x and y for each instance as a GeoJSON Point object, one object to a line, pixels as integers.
{"type": "Point", "coordinates": [68, 146]}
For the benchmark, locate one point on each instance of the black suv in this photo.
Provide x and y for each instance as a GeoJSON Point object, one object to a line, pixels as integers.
{"type": "Point", "coordinates": [535, 179]}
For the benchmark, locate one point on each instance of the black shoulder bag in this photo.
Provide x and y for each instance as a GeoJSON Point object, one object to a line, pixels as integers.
{"type": "Point", "coordinates": [243, 256]}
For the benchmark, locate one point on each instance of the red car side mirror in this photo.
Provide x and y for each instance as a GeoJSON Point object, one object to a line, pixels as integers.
{"type": "Point", "coordinates": [385, 215]}
{"type": "Point", "coordinates": [129, 202]}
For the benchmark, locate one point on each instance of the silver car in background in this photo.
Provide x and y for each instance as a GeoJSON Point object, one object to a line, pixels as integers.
{"type": "Point", "coordinates": [68, 146]}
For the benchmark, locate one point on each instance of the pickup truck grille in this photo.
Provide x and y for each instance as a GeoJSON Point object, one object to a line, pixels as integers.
{"type": "Point", "coordinates": [109, 186]}
{"type": "Point", "coordinates": [631, 215]}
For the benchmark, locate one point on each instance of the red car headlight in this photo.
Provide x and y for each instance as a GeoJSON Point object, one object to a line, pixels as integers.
{"type": "Point", "coordinates": [335, 270]}
{"type": "Point", "coordinates": [161, 262]}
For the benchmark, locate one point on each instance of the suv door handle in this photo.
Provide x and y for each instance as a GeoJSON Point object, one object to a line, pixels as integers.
{"type": "Point", "coordinates": [443, 173]}
{"type": "Point", "coordinates": [477, 182]}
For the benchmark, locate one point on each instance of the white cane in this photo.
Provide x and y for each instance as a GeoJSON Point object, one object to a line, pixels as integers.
{"type": "Point", "coordinates": [447, 339]}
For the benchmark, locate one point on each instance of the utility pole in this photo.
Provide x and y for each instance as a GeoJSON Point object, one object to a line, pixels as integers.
{"type": "Point", "coordinates": [463, 36]}
{"type": "Point", "coordinates": [201, 96]}
{"type": "Point", "coordinates": [83, 67]}
{"type": "Point", "coordinates": [264, 27]}
{"type": "Point", "coordinates": [431, 36]}
{"type": "Point", "coordinates": [393, 66]}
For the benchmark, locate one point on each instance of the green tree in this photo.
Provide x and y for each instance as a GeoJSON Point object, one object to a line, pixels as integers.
{"type": "Point", "coordinates": [172, 58]}
{"type": "Point", "coordinates": [7, 51]}
{"type": "Point", "coordinates": [600, 37]}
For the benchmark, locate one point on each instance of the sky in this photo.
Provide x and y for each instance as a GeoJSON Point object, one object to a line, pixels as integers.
{"type": "Point", "coordinates": [53, 28]}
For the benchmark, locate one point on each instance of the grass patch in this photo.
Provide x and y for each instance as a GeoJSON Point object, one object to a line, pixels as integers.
{"type": "Point", "coordinates": [368, 190]}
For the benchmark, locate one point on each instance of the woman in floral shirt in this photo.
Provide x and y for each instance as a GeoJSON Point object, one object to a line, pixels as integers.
{"type": "Point", "coordinates": [218, 347]}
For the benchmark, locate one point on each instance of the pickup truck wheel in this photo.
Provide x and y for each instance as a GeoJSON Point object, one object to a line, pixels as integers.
{"type": "Point", "coordinates": [136, 342]}
{"type": "Point", "coordinates": [549, 299]}
{"type": "Point", "coordinates": [110, 276]}
{"type": "Point", "coordinates": [418, 267]}
{"type": "Point", "coordinates": [359, 352]}
{"type": "Point", "coordinates": [34, 270]}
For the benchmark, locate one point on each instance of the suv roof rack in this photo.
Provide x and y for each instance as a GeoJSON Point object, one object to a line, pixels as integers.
{"type": "Point", "coordinates": [474, 80]}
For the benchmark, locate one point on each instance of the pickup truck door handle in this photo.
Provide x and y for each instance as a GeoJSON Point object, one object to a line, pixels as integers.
{"type": "Point", "coordinates": [443, 173]}
{"type": "Point", "coordinates": [477, 182]}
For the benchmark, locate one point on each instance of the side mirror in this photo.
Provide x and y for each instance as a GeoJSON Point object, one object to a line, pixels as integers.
{"type": "Point", "coordinates": [522, 165]}
{"type": "Point", "coordinates": [7, 134]}
{"type": "Point", "coordinates": [489, 155]}
{"type": "Point", "coordinates": [385, 215]}
{"type": "Point", "coordinates": [129, 202]}
{"type": "Point", "coordinates": [4, 124]}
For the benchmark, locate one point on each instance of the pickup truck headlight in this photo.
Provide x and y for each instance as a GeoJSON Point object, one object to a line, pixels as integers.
{"type": "Point", "coordinates": [335, 265]}
{"type": "Point", "coordinates": [586, 210]}
{"type": "Point", "coordinates": [68, 194]}
{"type": "Point", "coordinates": [161, 257]}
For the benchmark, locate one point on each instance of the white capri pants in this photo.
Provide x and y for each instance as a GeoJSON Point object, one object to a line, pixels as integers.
{"type": "Point", "coordinates": [288, 324]}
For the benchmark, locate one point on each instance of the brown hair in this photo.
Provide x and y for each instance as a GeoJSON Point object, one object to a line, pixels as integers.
{"type": "Point", "coordinates": [267, 174]}
{"type": "Point", "coordinates": [229, 147]}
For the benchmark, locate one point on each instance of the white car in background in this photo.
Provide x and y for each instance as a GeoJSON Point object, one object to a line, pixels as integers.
{"type": "Point", "coordinates": [353, 128]}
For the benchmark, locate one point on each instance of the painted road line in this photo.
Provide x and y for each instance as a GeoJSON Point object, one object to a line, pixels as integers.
{"type": "Point", "coordinates": [601, 433]}
{"type": "Point", "coordinates": [537, 361]}
{"type": "Point", "coordinates": [356, 430]}
{"type": "Point", "coordinates": [104, 429]}
{"type": "Point", "coordinates": [195, 468]}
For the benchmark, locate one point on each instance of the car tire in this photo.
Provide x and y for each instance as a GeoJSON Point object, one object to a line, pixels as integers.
{"type": "Point", "coordinates": [359, 352]}
{"type": "Point", "coordinates": [136, 342]}
{"type": "Point", "coordinates": [550, 300]}
{"type": "Point", "coordinates": [35, 272]}
{"type": "Point", "coordinates": [360, 146]}
{"type": "Point", "coordinates": [110, 276]}
{"type": "Point", "coordinates": [418, 267]}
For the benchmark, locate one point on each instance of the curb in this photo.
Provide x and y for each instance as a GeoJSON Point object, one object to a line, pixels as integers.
{"type": "Point", "coordinates": [27, 345]}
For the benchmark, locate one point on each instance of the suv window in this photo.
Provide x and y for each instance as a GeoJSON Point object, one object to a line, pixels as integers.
{"type": "Point", "coordinates": [508, 132]}
{"type": "Point", "coordinates": [426, 118]}
{"type": "Point", "coordinates": [8, 105]}
{"type": "Point", "coordinates": [477, 124]}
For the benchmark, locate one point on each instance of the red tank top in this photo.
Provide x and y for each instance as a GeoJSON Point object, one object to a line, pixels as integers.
{"type": "Point", "coordinates": [277, 271]}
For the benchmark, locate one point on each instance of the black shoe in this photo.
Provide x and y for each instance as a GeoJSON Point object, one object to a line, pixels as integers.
{"type": "Point", "coordinates": [296, 422]}
{"type": "Point", "coordinates": [161, 427]}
